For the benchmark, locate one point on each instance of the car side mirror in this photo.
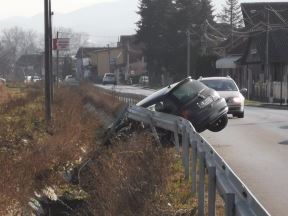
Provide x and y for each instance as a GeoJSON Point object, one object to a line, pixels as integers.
{"type": "Point", "coordinates": [243, 91]}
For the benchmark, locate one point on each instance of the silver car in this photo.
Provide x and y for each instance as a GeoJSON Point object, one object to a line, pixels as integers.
{"type": "Point", "coordinates": [109, 78]}
{"type": "Point", "coordinates": [227, 88]}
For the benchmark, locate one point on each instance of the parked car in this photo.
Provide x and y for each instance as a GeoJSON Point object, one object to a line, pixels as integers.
{"type": "Point", "coordinates": [2, 81]}
{"type": "Point", "coordinates": [36, 79]}
{"type": "Point", "coordinates": [69, 80]}
{"type": "Point", "coordinates": [109, 78]}
{"type": "Point", "coordinates": [28, 79]}
{"type": "Point", "coordinates": [192, 100]}
{"type": "Point", "coordinates": [144, 80]}
{"type": "Point", "coordinates": [228, 89]}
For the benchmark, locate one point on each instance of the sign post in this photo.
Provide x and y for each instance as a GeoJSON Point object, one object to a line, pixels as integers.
{"type": "Point", "coordinates": [60, 44]}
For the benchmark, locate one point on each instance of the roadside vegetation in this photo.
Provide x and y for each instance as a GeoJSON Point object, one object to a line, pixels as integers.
{"type": "Point", "coordinates": [67, 158]}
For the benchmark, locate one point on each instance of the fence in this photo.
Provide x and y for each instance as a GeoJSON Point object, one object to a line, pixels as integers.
{"type": "Point", "coordinates": [279, 91]}
{"type": "Point", "coordinates": [200, 159]}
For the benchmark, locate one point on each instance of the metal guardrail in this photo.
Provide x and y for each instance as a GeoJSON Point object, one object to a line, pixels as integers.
{"type": "Point", "coordinates": [199, 158]}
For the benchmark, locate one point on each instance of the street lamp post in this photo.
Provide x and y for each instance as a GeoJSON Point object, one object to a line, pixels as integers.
{"type": "Point", "coordinates": [188, 34]}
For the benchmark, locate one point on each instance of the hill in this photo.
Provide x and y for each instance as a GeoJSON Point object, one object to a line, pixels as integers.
{"type": "Point", "coordinates": [102, 21]}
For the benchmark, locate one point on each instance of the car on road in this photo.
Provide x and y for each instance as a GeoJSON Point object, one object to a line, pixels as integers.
{"type": "Point", "coordinates": [2, 81]}
{"type": "Point", "coordinates": [192, 100]}
{"type": "Point", "coordinates": [109, 78]}
{"type": "Point", "coordinates": [228, 89]}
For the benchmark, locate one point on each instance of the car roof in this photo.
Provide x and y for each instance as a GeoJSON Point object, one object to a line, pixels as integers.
{"type": "Point", "coordinates": [215, 78]}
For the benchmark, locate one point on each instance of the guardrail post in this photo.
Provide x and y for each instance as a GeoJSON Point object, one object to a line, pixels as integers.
{"type": "Point", "coordinates": [185, 145]}
{"type": "Point", "coordinates": [176, 136]}
{"type": "Point", "coordinates": [229, 204]}
{"type": "Point", "coordinates": [194, 167]}
{"type": "Point", "coordinates": [154, 131]}
{"type": "Point", "coordinates": [211, 190]}
{"type": "Point", "coordinates": [201, 185]}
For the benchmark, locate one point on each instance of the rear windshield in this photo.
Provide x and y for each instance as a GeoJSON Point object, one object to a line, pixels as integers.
{"type": "Point", "coordinates": [109, 75]}
{"type": "Point", "coordinates": [221, 85]}
{"type": "Point", "coordinates": [188, 90]}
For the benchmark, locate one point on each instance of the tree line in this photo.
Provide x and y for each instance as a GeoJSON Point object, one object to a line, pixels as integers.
{"type": "Point", "coordinates": [15, 42]}
{"type": "Point", "coordinates": [163, 27]}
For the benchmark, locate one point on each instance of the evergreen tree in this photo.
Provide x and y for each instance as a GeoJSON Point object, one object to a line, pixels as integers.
{"type": "Point", "coordinates": [153, 29]}
{"type": "Point", "coordinates": [231, 14]}
{"type": "Point", "coordinates": [163, 28]}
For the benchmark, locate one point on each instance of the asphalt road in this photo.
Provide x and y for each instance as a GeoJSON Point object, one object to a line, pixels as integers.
{"type": "Point", "coordinates": [256, 148]}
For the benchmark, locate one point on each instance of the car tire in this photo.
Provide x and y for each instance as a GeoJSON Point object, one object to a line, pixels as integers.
{"type": "Point", "coordinates": [239, 115]}
{"type": "Point", "coordinates": [219, 125]}
{"type": "Point", "coordinates": [104, 83]}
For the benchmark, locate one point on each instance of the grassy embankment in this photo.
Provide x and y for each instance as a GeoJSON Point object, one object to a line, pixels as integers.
{"type": "Point", "coordinates": [133, 176]}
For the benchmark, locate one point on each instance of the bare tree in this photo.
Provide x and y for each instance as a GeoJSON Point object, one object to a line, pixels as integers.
{"type": "Point", "coordinates": [14, 43]}
{"type": "Point", "coordinates": [77, 39]}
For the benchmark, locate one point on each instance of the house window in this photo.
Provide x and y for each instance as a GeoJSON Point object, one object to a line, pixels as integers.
{"type": "Point", "coordinates": [277, 72]}
{"type": "Point", "coordinates": [253, 51]}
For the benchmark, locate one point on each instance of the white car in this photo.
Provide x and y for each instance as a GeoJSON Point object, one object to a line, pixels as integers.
{"type": "Point", "coordinates": [109, 78]}
{"type": "Point", "coordinates": [228, 89]}
{"type": "Point", "coordinates": [2, 80]}
{"type": "Point", "coordinates": [144, 80]}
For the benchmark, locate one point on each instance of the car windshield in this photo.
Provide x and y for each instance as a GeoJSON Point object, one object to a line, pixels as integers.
{"type": "Point", "coordinates": [109, 75]}
{"type": "Point", "coordinates": [188, 90]}
{"type": "Point", "coordinates": [220, 84]}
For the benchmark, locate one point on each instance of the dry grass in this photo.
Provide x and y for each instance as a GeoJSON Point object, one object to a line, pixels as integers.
{"type": "Point", "coordinates": [4, 94]}
{"type": "Point", "coordinates": [100, 100]}
{"type": "Point", "coordinates": [32, 154]}
{"type": "Point", "coordinates": [122, 179]}
{"type": "Point", "coordinates": [131, 177]}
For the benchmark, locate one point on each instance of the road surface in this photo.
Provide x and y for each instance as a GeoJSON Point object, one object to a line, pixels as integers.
{"type": "Point", "coordinates": [256, 148]}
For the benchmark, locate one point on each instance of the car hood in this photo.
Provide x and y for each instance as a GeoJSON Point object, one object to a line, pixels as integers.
{"type": "Point", "coordinates": [229, 94]}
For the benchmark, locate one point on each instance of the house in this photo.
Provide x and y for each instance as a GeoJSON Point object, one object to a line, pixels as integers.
{"type": "Point", "coordinates": [231, 52]}
{"type": "Point", "coordinates": [126, 61]}
{"type": "Point", "coordinates": [264, 62]}
{"type": "Point", "coordinates": [84, 69]}
{"type": "Point", "coordinates": [107, 60]}
{"type": "Point", "coordinates": [135, 64]}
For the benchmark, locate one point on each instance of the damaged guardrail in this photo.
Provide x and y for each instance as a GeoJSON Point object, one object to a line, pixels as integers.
{"type": "Point", "coordinates": [200, 158]}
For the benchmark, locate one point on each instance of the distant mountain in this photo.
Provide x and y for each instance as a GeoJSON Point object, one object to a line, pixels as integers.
{"type": "Point", "coordinates": [104, 22]}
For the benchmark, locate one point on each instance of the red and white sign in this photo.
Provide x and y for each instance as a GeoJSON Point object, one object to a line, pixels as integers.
{"type": "Point", "coordinates": [61, 44]}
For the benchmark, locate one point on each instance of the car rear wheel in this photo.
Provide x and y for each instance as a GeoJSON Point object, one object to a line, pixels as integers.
{"type": "Point", "coordinates": [219, 125]}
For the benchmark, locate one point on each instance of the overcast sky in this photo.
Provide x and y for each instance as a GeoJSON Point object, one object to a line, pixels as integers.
{"type": "Point", "coordinates": [10, 8]}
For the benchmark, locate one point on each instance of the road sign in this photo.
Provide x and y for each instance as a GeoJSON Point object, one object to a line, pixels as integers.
{"type": "Point", "coordinates": [62, 43]}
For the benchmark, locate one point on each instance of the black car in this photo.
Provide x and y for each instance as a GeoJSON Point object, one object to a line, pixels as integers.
{"type": "Point", "coordinates": [192, 100]}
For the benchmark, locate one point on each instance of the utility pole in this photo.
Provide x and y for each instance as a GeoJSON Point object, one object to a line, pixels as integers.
{"type": "Point", "coordinates": [188, 51]}
{"type": "Point", "coordinates": [109, 58]}
{"type": "Point", "coordinates": [47, 64]}
{"type": "Point", "coordinates": [127, 77]}
{"type": "Point", "coordinates": [267, 69]}
{"type": "Point", "coordinates": [50, 53]}
{"type": "Point", "coordinates": [57, 63]}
